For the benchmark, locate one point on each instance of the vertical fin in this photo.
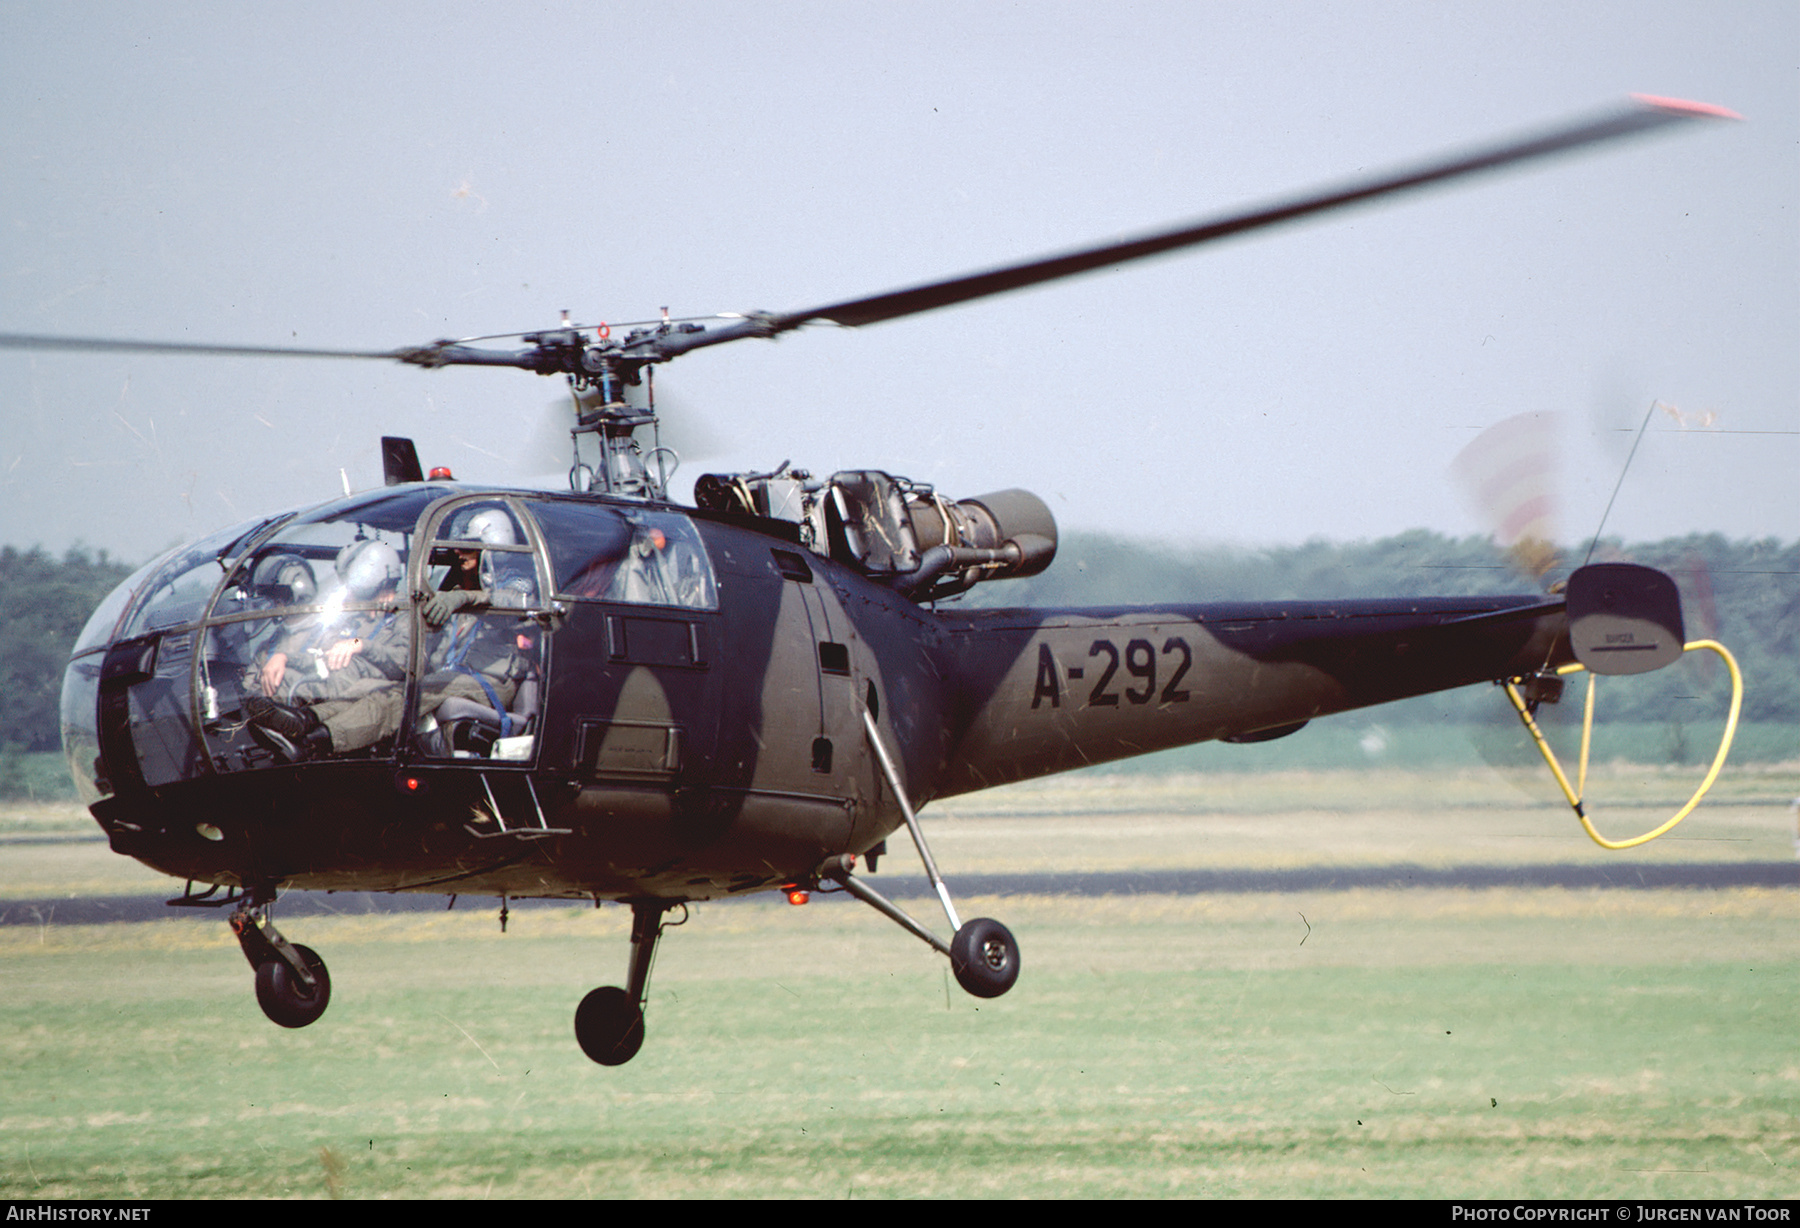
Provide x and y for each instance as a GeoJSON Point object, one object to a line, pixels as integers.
{"type": "Point", "coordinates": [399, 461]}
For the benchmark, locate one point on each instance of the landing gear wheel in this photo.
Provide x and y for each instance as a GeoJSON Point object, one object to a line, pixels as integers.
{"type": "Point", "coordinates": [284, 998]}
{"type": "Point", "coordinates": [609, 1026]}
{"type": "Point", "coordinates": [985, 958]}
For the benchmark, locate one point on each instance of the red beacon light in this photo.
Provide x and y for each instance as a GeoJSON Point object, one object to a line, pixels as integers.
{"type": "Point", "coordinates": [796, 895]}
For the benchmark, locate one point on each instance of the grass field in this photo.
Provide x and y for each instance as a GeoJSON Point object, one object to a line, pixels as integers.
{"type": "Point", "coordinates": [1426, 1043]}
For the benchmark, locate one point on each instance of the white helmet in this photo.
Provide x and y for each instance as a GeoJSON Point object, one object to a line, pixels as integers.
{"type": "Point", "coordinates": [285, 579]}
{"type": "Point", "coordinates": [366, 567]}
{"type": "Point", "coordinates": [490, 526]}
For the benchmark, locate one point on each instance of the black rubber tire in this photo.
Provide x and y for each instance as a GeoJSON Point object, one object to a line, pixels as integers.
{"type": "Point", "coordinates": [609, 1027]}
{"type": "Point", "coordinates": [985, 958]}
{"type": "Point", "coordinates": [282, 996]}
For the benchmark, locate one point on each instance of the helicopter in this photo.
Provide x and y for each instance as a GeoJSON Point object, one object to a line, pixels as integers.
{"type": "Point", "coordinates": [603, 695]}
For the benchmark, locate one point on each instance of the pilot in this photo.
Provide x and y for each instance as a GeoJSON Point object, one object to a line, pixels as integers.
{"type": "Point", "coordinates": [284, 579]}
{"type": "Point", "coordinates": [477, 665]}
{"type": "Point", "coordinates": [277, 581]}
{"type": "Point", "coordinates": [334, 685]}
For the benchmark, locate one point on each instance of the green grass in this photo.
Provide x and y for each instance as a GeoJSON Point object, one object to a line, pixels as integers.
{"type": "Point", "coordinates": [1425, 1043]}
{"type": "Point", "coordinates": [1117, 821]}
{"type": "Point", "coordinates": [1497, 1043]}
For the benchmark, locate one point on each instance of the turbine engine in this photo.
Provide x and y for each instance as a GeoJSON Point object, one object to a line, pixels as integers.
{"type": "Point", "coordinates": [894, 530]}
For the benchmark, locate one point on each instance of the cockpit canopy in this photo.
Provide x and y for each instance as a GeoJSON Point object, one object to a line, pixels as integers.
{"type": "Point", "coordinates": [222, 656]}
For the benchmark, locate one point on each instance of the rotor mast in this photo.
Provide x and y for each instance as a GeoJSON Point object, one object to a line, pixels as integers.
{"type": "Point", "coordinates": [599, 372]}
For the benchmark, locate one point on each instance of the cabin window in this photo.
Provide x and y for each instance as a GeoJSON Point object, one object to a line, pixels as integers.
{"type": "Point", "coordinates": [603, 552]}
{"type": "Point", "coordinates": [481, 679]}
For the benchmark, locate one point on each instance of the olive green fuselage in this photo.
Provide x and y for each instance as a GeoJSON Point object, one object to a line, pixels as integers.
{"type": "Point", "coordinates": [692, 752]}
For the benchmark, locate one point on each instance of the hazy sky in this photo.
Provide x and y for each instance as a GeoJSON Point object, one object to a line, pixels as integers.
{"type": "Point", "coordinates": [378, 175]}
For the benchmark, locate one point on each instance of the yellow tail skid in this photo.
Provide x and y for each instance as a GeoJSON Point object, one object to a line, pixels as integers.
{"type": "Point", "coordinates": [1576, 793]}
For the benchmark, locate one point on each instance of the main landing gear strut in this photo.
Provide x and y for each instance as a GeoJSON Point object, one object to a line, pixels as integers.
{"type": "Point", "coordinates": [983, 954]}
{"type": "Point", "coordinates": [609, 1023]}
{"type": "Point", "coordinates": [292, 986]}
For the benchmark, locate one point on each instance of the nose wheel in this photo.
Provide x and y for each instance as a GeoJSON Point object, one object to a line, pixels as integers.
{"type": "Point", "coordinates": [288, 1000]}
{"type": "Point", "coordinates": [292, 985]}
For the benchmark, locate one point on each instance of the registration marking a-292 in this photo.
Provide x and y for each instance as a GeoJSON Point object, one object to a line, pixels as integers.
{"type": "Point", "coordinates": [1142, 664]}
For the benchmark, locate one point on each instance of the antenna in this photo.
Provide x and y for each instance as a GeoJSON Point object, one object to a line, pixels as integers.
{"type": "Point", "coordinates": [1642, 427]}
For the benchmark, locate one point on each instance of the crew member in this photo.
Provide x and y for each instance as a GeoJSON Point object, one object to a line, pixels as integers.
{"type": "Point", "coordinates": [477, 665]}
{"type": "Point", "coordinates": [336, 685]}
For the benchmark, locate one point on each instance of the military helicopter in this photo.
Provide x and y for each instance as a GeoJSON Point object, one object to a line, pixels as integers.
{"type": "Point", "coordinates": [602, 695]}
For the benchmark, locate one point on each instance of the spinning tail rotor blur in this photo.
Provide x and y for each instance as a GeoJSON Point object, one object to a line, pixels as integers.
{"type": "Point", "coordinates": [1511, 475]}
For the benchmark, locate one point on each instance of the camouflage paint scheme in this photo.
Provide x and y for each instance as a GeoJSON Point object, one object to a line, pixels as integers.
{"type": "Point", "coordinates": [693, 753]}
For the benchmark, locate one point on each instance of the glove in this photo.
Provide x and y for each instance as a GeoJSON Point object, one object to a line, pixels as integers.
{"type": "Point", "coordinates": [440, 606]}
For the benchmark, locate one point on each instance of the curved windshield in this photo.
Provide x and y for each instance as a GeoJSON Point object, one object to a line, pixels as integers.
{"type": "Point", "coordinates": [180, 583]}
{"type": "Point", "coordinates": [409, 619]}
{"type": "Point", "coordinates": [308, 642]}
{"type": "Point", "coordinates": [97, 632]}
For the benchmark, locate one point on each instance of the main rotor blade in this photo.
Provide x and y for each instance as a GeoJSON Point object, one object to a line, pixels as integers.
{"type": "Point", "coordinates": [1643, 114]}
{"type": "Point", "coordinates": [30, 341]}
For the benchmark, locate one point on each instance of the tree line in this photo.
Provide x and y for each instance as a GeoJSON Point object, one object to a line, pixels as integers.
{"type": "Point", "coordinates": [1744, 593]}
{"type": "Point", "coordinates": [44, 603]}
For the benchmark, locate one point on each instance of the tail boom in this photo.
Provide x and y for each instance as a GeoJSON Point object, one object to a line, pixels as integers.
{"type": "Point", "coordinates": [1042, 691]}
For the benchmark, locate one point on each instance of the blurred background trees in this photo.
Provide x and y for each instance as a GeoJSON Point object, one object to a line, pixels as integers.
{"type": "Point", "coordinates": [44, 602]}
{"type": "Point", "coordinates": [1743, 593]}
